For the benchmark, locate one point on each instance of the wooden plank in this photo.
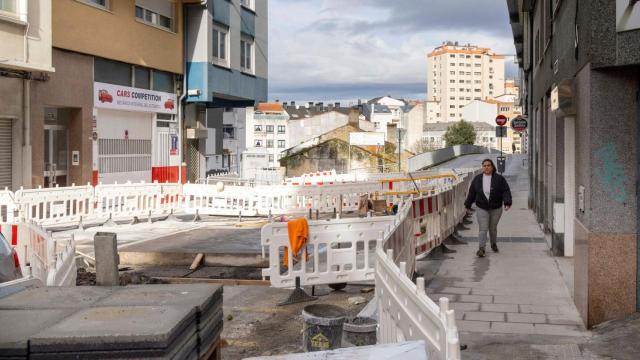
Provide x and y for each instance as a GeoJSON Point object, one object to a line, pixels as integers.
{"type": "Point", "coordinates": [187, 280]}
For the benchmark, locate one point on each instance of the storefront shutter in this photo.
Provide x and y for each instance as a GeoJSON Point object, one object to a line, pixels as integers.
{"type": "Point", "coordinates": [5, 153]}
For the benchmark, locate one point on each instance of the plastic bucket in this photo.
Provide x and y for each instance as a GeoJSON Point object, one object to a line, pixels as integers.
{"type": "Point", "coordinates": [360, 331]}
{"type": "Point", "coordinates": [322, 327]}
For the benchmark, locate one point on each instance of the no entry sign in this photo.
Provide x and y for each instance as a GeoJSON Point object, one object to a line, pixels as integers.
{"type": "Point", "coordinates": [501, 120]}
{"type": "Point", "coordinates": [519, 124]}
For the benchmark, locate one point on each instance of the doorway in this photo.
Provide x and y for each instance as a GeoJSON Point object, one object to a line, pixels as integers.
{"type": "Point", "coordinates": [56, 147]}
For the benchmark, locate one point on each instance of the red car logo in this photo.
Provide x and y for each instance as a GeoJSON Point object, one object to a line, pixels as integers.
{"type": "Point", "coordinates": [104, 96]}
{"type": "Point", "coordinates": [168, 104]}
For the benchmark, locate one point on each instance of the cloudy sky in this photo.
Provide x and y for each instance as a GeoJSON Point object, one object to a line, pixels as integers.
{"type": "Point", "coordinates": [342, 50]}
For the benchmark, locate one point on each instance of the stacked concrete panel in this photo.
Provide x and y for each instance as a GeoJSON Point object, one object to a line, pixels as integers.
{"type": "Point", "coordinates": [146, 321]}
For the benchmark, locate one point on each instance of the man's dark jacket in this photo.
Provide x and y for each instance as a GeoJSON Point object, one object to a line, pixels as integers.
{"type": "Point", "coordinates": [499, 194]}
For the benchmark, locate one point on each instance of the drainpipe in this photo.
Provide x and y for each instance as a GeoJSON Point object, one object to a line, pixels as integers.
{"type": "Point", "coordinates": [26, 134]}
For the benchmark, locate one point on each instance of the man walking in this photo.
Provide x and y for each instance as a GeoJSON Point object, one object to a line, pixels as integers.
{"type": "Point", "coordinates": [489, 191]}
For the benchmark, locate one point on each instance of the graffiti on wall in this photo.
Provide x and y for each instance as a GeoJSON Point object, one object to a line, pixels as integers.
{"type": "Point", "coordinates": [611, 171]}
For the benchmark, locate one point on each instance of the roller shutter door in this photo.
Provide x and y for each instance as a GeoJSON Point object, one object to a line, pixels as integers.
{"type": "Point", "coordinates": [5, 153]}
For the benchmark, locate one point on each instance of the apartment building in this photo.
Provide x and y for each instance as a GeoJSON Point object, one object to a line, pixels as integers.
{"type": "Point", "coordinates": [109, 111]}
{"type": "Point", "coordinates": [458, 74]}
{"type": "Point", "coordinates": [267, 129]}
{"type": "Point", "coordinates": [25, 60]}
{"type": "Point", "coordinates": [226, 68]}
{"type": "Point", "coordinates": [579, 65]}
{"type": "Point", "coordinates": [433, 134]}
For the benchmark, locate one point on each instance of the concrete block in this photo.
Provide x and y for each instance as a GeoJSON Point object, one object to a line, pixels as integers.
{"type": "Point", "coordinates": [565, 330]}
{"type": "Point", "coordinates": [106, 253]}
{"type": "Point", "coordinates": [499, 307]}
{"type": "Point", "coordinates": [539, 309]}
{"type": "Point", "coordinates": [484, 316]}
{"type": "Point", "coordinates": [527, 318]}
{"type": "Point", "coordinates": [74, 297]}
{"type": "Point", "coordinates": [473, 326]}
{"type": "Point", "coordinates": [512, 328]}
{"type": "Point", "coordinates": [436, 297]}
{"type": "Point", "coordinates": [456, 290]}
{"type": "Point", "coordinates": [115, 328]}
{"type": "Point", "coordinates": [476, 298]}
{"type": "Point", "coordinates": [464, 306]}
{"type": "Point", "coordinates": [564, 320]}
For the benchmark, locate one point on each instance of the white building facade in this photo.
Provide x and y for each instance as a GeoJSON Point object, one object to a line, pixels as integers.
{"type": "Point", "coordinates": [458, 74]}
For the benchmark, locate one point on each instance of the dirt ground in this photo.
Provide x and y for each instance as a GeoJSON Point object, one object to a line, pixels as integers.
{"type": "Point", "coordinates": [255, 326]}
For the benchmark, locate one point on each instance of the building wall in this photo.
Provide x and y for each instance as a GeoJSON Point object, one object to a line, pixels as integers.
{"type": "Point", "coordinates": [222, 84]}
{"type": "Point", "coordinates": [302, 130]}
{"type": "Point", "coordinates": [116, 34]}
{"type": "Point", "coordinates": [480, 111]}
{"type": "Point", "coordinates": [458, 74]}
{"type": "Point", "coordinates": [415, 120]}
{"type": "Point", "coordinates": [432, 112]}
{"type": "Point", "coordinates": [71, 86]}
{"type": "Point", "coordinates": [34, 52]}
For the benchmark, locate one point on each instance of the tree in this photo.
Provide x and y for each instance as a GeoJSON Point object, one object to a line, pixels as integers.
{"type": "Point", "coordinates": [422, 146]}
{"type": "Point", "coordinates": [461, 133]}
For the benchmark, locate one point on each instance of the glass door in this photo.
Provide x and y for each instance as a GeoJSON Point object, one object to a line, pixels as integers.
{"type": "Point", "coordinates": [56, 153]}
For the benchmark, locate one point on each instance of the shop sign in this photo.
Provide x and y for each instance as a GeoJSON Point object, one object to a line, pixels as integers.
{"type": "Point", "coordinates": [519, 124]}
{"type": "Point", "coordinates": [109, 96]}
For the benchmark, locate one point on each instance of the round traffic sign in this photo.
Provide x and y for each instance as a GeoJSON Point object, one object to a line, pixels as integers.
{"type": "Point", "coordinates": [519, 124]}
{"type": "Point", "coordinates": [501, 120]}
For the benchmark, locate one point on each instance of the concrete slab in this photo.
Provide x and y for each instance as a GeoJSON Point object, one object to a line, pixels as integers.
{"type": "Point", "coordinates": [65, 298]}
{"type": "Point", "coordinates": [199, 296]}
{"type": "Point", "coordinates": [484, 316]}
{"type": "Point", "coordinates": [19, 325]}
{"type": "Point", "coordinates": [527, 318]}
{"type": "Point", "coordinates": [115, 328]}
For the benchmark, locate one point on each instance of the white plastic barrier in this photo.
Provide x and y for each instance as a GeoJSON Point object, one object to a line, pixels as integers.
{"type": "Point", "coordinates": [128, 200]}
{"type": "Point", "coordinates": [55, 206]}
{"type": "Point", "coordinates": [405, 312]}
{"type": "Point", "coordinates": [206, 200]}
{"type": "Point", "coordinates": [338, 251]}
{"type": "Point", "coordinates": [48, 260]}
{"type": "Point", "coordinates": [7, 205]}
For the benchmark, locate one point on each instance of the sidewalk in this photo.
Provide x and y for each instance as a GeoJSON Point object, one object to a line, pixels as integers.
{"type": "Point", "coordinates": [512, 304]}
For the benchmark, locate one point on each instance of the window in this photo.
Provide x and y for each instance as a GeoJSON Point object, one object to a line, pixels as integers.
{"type": "Point", "coordinates": [111, 72]}
{"type": "Point", "coordinates": [461, 56]}
{"type": "Point", "coordinates": [247, 4]}
{"type": "Point", "coordinates": [258, 143]}
{"type": "Point", "coordinates": [452, 81]}
{"type": "Point", "coordinates": [219, 45]}
{"type": "Point", "coordinates": [269, 129]}
{"type": "Point", "coordinates": [142, 78]}
{"type": "Point", "coordinates": [452, 72]}
{"type": "Point", "coordinates": [477, 81]}
{"type": "Point", "coordinates": [281, 144]}
{"type": "Point", "coordinates": [476, 98]}
{"type": "Point", "coordinates": [461, 89]}
{"type": "Point", "coordinates": [452, 64]}
{"type": "Point", "coordinates": [452, 106]}
{"type": "Point", "coordinates": [163, 81]}
{"type": "Point", "coordinates": [476, 90]}
{"type": "Point", "coordinates": [246, 57]}
{"type": "Point", "coordinates": [156, 13]}
{"type": "Point", "coordinates": [469, 73]}
{"type": "Point", "coordinates": [452, 97]}
{"type": "Point", "coordinates": [461, 98]}
{"type": "Point", "coordinates": [461, 64]}
{"type": "Point", "coordinates": [490, 76]}
{"type": "Point", "coordinates": [477, 56]}
{"type": "Point", "coordinates": [461, 106]}
{"type": "Point", "coordinates": [8, 6]}
{"type": "Point", "coordinates": [452, 89]}
{"type": "Point", "coordinates": [477, 65]}
{"type": "Point", "coordinates": [452, 56]}
{"type": "Point", "coordinates": [452, 115]}
{"type": "Point", "coordinates": [461, 81]}
{"type": "Point", "coordinates": [270, 157]}
{"type": "Point", "coordinates": [97, 3]}
{"type": "Point", "coordinates": [468, 98]}
{"type": "Point", "coordinates": [477, 73]}
{"type": "Point", "coordinates": [228, 132]}
{"type": "Point", "coordinates": [269, 143]}
{"type": "Point", "coordinates": [281, 129]}
{"type": "Point", "coordinates": [460, 72]}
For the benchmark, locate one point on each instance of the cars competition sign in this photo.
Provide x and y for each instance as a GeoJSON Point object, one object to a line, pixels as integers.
{"type": "Point", "coordinates": [109, 96]}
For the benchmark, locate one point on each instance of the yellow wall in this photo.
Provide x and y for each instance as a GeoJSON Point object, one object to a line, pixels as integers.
{"type": "Point", "coordinates": [117, 35]}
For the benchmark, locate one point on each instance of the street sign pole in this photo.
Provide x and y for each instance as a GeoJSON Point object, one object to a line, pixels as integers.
{"type": "Point", "coordinates": [501, 120]}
